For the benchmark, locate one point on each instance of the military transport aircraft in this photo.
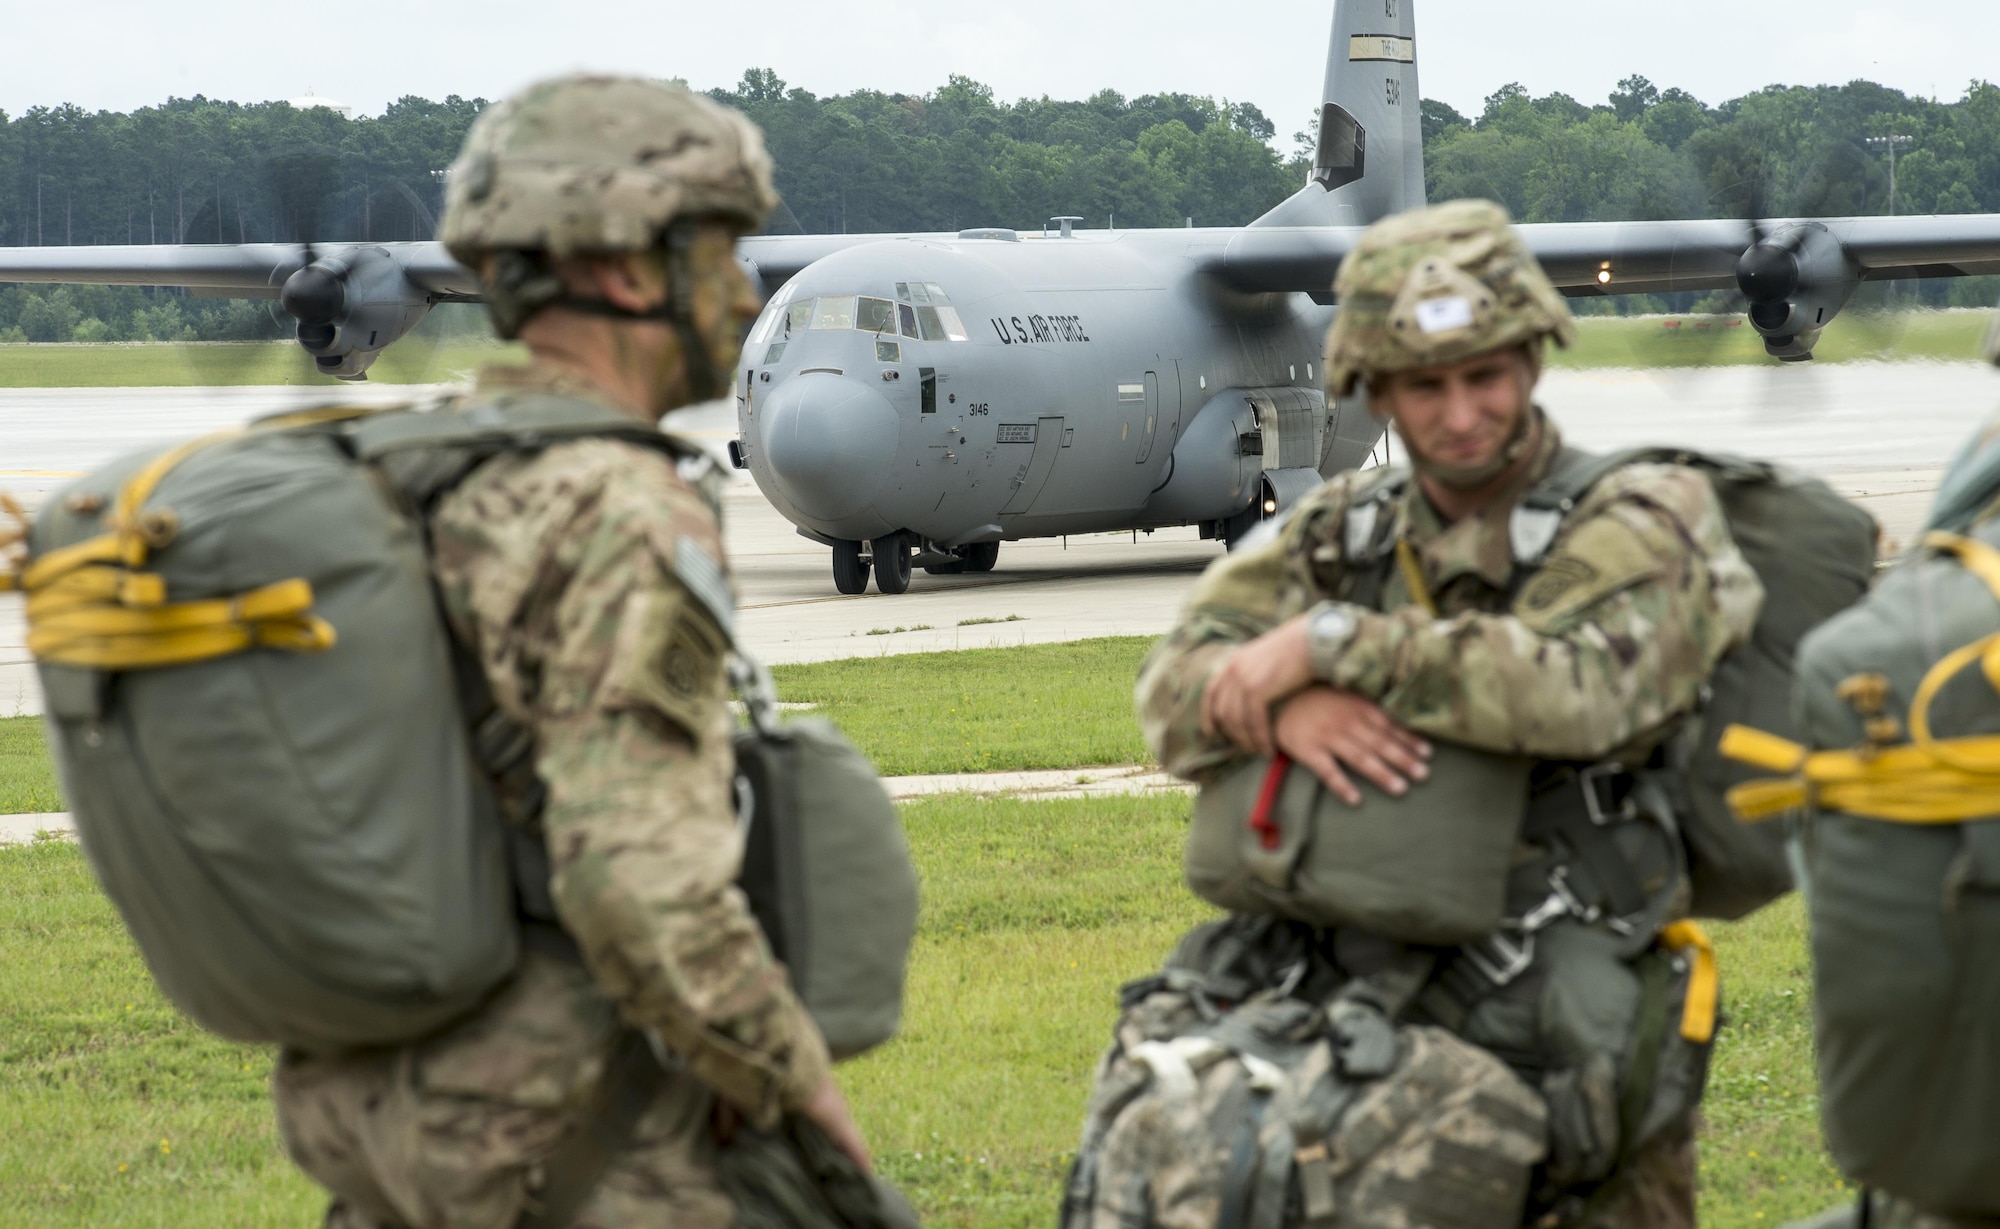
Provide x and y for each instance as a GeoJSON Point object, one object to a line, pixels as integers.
{"type": "Point", "coordinates": [919, 399]}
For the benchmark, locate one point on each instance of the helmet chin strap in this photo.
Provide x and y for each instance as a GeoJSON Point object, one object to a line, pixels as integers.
{"type": "Point", "coordinates": [705, 382]}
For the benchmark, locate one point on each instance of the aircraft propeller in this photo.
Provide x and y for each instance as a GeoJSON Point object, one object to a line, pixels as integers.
{"type": "Point", "coordinates": [345, 301]}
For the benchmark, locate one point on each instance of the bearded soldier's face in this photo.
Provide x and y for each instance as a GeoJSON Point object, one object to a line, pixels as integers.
{"type": "Point", "coordinates": [724, 302]}
{"type": "Point", "coordinates": [1461, 421]}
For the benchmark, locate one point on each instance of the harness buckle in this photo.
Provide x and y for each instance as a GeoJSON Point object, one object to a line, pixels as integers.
{"type": "Point", "coordinates": [1572, 904]}
{"type": "Point", "coordinates": [1499, 958]}
{"type": "Point", "coordinates": [1600, 800]}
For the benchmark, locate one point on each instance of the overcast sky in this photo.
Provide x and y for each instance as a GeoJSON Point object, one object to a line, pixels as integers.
{"type": "Point", "coordinates": [120, 54]}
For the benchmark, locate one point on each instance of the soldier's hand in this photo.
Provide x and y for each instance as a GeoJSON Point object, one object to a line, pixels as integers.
{"type": "Point", "coordinates": [1237, 703]}
{"type": "Point", "coordinates": [828, 1110]}
{"type": "Point", "coordinates": [1328, 731]}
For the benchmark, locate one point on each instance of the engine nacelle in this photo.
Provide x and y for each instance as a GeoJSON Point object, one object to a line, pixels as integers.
{"type": "Point", "coordinates": [1797, 278]}
{"type": "Point", "coordinates": [351, 303]}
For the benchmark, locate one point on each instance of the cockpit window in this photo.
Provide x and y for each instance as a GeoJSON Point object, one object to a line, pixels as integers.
{"type": "Point", "coordinates": [833, 311]}
{"type": "Point", "coordinates": [921, 292]}
{"type": "Point", "coordinates": [923, 315]}
{"type": "Point", "coordinates": [936, 324]}
{"type": "Point", "coordinates": [876, 316]}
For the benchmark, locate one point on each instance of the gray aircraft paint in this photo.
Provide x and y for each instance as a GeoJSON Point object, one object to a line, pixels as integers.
{"type": "Point", "coordinates": [1120, 396]}
{"type": "Point", "coordinates": [1108, 380]}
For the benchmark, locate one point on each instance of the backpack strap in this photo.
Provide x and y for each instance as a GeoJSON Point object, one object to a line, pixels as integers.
{"type": "Point", "coordinates": [1532, 527]}
{"type": "Point", "coordinates": [425, 451]}
{"type": "Point", "coordinates": [1538, 517]}
{"type": "Point", "coordinates": [1367, 546]}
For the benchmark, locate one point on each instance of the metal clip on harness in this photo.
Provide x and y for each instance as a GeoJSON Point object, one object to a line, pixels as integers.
{"type": "Point", "coordinates": [1504, 955]}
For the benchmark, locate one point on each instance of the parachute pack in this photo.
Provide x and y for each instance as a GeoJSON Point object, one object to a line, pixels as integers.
{"type": "Point", "coordinates": [281, 775]}
{"type": "Point", "coordinates": [1895, 770]}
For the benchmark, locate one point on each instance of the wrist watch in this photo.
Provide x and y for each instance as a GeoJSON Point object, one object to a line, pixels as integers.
{"type": "Point", "coordinates": [1329, 626]}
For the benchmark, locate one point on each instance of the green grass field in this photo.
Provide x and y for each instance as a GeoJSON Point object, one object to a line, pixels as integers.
{"type": "Point", "coordinates": [982, 710]}
{"type": "Point", "coordinates": [979, 710]}
{"type": "Point", "coordinates": [116, 1112]}
{"type": "Point", "coordinates": [1604, 341]}
{"type": "Point", "coordinates": [27, 777]}
{"type": "Point", "coordinates": [1729, 341]}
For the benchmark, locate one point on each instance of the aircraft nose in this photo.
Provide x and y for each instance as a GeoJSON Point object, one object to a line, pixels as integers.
{"type": "Point", "coordinates": [828, 441]}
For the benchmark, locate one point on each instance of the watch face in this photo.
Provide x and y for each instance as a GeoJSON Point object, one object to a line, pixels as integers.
{"type": "Point", "coordinates": [1332, 625]}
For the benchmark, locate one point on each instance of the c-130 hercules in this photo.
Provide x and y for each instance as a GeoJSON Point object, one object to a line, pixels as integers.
{"type": "Point", "coordinates": [919, 399]}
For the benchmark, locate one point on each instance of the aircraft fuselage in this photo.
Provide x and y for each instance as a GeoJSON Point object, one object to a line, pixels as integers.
{"type": "Point", "coordinates": [979, 389]}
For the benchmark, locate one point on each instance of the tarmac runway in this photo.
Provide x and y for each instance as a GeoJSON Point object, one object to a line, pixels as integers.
{"type": "Point", "coordinates": [1879, 432]}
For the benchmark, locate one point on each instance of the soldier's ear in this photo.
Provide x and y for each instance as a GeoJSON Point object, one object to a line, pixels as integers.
{"type": "Point", "coordinates": [1381, 401]}
{"type": "Point", "coordinates": [633, 281]}
{"type": "Point", "coordinates": [1531, 365]}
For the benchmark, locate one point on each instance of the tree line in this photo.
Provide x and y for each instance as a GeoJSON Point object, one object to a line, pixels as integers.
{"type": "Point", "coordinates": [205, 170]}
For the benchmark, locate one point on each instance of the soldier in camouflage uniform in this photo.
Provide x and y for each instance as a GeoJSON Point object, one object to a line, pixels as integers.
{"type": "Point", "coordinates": [1595, 656]}
{"type": "Point", "coordinates": [587, 579]}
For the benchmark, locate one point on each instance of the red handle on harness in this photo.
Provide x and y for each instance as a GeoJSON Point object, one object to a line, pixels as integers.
{"type": "Point", "coordinates": [1269, 835]}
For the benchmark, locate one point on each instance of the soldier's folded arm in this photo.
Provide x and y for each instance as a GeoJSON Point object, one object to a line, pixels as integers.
{"type": "Point", "coordinates": [622, 676]}
{"type": "Point", "coordinates": [1239, 598]}
{"type": "Point", "coordinates": [1609, 640]}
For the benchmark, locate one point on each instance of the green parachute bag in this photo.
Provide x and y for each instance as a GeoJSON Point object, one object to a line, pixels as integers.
{"type": "Point", "coordinates": [826, 868]}
{"type": "Point", "coordinates": [1814, 551]}
{"type": "Point", "coordinates": [261, 734]}
{"type": "Point", "coordinates": [1427, 867]}
{"type": "Point", "coordinates": [251, 703]}
{"type": "Point", "coordinates": [1906, 915]}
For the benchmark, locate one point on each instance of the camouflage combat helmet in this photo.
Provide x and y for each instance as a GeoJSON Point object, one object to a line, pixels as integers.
{"type": "Point", "coordinates": [1434, 286]}
{"type": "Point", "coordinates": [594, 164]}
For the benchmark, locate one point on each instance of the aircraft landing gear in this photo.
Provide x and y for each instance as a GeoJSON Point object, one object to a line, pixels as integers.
{"type": "Point", "coordinates": [892, 563]}
{"type": "Point", "coordinates": [1233, 528]}
{"type": "Point", "coordinates": [850, 569]}
{"type": "Point", "coordinates": [981, 556]}
{"type": "Point", "coordinates": [977, 557]}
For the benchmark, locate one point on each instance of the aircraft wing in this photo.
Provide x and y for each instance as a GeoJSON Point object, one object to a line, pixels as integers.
{"type": "Point", "coordinates": [777, 258]}
{"type": "Point", "coordinates": [258, 270]}
{"type": "Point", "coordinates": [1641, 257]}
{"type": "Point", "coordinates": [230, 270]}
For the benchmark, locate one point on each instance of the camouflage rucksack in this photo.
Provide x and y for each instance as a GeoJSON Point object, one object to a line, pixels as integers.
{"type": "Point", "coordinates": [1236, 1093]}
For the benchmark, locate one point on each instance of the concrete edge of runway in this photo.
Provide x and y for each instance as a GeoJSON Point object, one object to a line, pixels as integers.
{"type": "Point", "coordinates": [1036, 785]}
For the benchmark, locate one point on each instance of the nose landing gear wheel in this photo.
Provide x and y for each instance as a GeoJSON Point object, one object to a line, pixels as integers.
{"type": "Point", "coordinates": [892, 563]}
{"type": "Point", "coordinates": [850, 570]}
{"type": "Point", "coordinates": [981, 556]}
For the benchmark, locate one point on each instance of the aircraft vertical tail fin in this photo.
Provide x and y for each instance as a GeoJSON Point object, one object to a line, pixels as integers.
{"type": "Point", "coordinates": [1370, 159]}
